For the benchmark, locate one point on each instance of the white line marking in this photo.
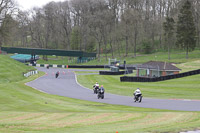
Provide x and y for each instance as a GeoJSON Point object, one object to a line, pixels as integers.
{"type": "Point", "coordinates": [34, 87]}
{"type": "Point", "coordinates": [78, 83]}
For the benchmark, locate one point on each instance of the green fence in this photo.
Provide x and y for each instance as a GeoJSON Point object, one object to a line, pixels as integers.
{"type": "Point", "coordinates": [35, 51]}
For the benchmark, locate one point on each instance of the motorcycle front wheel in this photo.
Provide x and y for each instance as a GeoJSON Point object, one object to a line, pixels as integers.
{"type": "Point", "coordinates": [140, 99]}
{"type": "Point", "coordinates": [135, 99]}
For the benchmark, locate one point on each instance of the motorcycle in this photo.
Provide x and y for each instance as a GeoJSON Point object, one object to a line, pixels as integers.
{"type": "Point", "coordinates": [100, 94]}
{"type": "Point", "coordinates": [138, 97]}
{"type": "Point", "coordinates": [57, 74]}
{"type": "Point", "coordinates": [96, 88]}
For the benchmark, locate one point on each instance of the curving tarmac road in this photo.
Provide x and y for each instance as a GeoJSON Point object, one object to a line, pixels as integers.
{"type": "Point", "coordinates": [66, 85]}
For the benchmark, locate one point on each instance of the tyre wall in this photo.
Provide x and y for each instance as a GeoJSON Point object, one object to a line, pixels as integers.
{"type": "Point", "coordinates": [111, 73]}
{"type": "Point", "coordinates": [156, 79]}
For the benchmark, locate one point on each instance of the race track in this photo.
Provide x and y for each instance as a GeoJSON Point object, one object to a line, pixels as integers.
{"type": "Point", "coordinates": [66, 85]}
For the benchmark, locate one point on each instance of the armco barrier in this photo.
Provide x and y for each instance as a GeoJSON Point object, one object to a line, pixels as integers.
{"type": "Point", "coordinates": [70, 66]}
{"type": "Point", "coordinates": [74, 66]}
{"type": "Point", "coordinates": [156, 79]}
{"type": "Point", "coordinates": [30, 73]}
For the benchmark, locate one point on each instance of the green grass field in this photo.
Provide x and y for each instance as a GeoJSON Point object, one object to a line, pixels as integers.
{"type": "Point", "coordinates": [177, 88]}
{"type": "Point", "coordinates": [24, 109]}
{"type": "Point", "coordinates": [169, 89]}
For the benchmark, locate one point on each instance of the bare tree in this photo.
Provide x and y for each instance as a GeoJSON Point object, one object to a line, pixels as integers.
{"type": "Point", "coordinates": [107, 26]}
{"type": "Point", "coordinates": [7, 8]}
{"type": "Point", "coordinates": [65, 24]}
{"type": "Point", "coordinates": [37, 28]}
{"type": "Point", "coordinates": [23, 19]}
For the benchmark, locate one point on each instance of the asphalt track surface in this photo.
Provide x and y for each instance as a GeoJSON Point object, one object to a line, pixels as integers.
{"type": "Point", "coordinates": [66, 85]}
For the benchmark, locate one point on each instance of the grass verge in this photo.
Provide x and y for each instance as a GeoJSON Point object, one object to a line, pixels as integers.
{"type": "Point", "coordinates": [24, 109]}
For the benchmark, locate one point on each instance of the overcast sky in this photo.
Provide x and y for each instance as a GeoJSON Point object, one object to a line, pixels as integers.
{"type": "Point", "coordinates": [28, 4]}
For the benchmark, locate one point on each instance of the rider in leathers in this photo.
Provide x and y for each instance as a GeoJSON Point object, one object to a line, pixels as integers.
{"type": "Point", "coordinates": [137, 92]}
{"type": "Point", "coordinates": [96, 85]}
{"type": "Point", "coordinates": [102, 89]}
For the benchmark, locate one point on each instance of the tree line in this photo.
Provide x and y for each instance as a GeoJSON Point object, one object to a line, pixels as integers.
{"type": "Point", "coordinates": [114, 27]}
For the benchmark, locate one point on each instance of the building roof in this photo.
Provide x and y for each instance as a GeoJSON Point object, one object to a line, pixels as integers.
{"type": "Point", "coordinates": [158, 65]}
{"type": "Point", "coordinates": [23, 57]}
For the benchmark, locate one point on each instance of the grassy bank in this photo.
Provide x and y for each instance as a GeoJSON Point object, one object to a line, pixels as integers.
{"type": "Point", "coordinates": [11, 70]}
{"type": "Point", "coordinates": [24, 109]}
{"type": "Point", "coordinates": [97, 122]}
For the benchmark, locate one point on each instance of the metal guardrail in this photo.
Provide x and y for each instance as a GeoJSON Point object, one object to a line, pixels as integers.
{"type": "Point", "coordinates": [30, 73]}
{"type": "Point", "coordinates": [72, 66]}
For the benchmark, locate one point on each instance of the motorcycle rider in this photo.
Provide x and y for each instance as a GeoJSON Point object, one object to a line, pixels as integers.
{"type": "Point", "coordinates": [96, 87]}
{"type": "Point", "coordinates": [137, 92]}
{"type": "Point", "coordinates": [57, 74]}
{"type": "Point", "coordinates": [102, 89]}
{"type": "Point", "coordinates": [101, 92]}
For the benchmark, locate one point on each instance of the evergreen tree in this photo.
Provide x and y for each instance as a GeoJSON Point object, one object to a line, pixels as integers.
{"type": "Point", "coordinates": [186, 29]}
{"type": "Point", "coordinates": [169, 31]}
